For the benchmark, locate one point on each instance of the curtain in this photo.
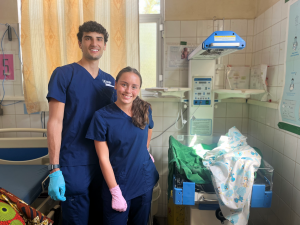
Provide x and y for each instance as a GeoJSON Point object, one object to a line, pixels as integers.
{"type": "Point", "coordinates": [49, 40]}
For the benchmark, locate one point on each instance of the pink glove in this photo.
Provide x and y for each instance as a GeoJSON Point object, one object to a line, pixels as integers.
{"type": "Point", "coordinates": [118, 202]}
{"type": "Point", "coordinates": [150, 155]}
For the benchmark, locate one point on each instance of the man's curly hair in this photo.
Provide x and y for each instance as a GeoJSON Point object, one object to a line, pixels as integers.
{"type": "Point", "coordinates": [92, 26]}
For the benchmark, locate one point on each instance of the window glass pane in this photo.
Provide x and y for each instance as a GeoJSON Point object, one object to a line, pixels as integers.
{"type": "Point", "coordinates": [149, 6]}
{"type": "Point", "coordinates": [148, 54]}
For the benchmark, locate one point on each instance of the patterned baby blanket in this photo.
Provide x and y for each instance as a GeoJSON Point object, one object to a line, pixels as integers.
{"type": "Point", "coordinates": [232, 165]}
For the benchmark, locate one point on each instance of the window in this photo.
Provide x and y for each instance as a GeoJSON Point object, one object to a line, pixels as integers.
{"type": "Point", "coordinates": [151, 43]}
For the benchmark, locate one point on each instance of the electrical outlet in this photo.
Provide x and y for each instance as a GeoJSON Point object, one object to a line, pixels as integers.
{"type": "Point", "coordinates": [1, 111]}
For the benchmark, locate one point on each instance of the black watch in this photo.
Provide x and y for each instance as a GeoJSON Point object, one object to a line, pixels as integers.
{"type": "Point", "coordinates": [53, 166]}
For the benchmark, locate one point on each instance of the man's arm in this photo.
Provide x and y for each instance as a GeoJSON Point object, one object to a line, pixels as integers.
{"type": "Point", "coordinates": [54, 130]}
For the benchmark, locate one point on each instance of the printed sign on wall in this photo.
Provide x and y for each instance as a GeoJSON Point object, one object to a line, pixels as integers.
{"type": "Point", "coordinates": [7, 66]}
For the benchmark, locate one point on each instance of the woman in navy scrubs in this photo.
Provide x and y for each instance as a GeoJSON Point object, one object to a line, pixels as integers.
{"type": "Point", "coordinates": [122, 132]}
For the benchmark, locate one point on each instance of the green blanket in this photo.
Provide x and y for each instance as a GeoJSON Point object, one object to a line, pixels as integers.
{"type": "Point", "coordinates": [188, 161]}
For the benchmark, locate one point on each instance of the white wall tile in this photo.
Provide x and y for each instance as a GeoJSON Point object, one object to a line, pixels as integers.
{"type": "Point", "coordinates": [200, 28]}
{"type": "Point", "coordinates": [18, 90]}
{"type": "Point", "coordinates": [288, 169]}
{"type": "Point", "coordinates": [276, 14]}
{"type": "Point", "coordinates": [284, 10]}
{"type": "Point", "coordinates": [272, 76]}
{"type": "Point", "coordinates": [9, 121]}
{"type": "Point", "coordinates": [281, 75]}
{"type": "Point", "coordinates": [297, 176]}
{"type": "Point", "coordinates": [255, 28]}
{"type": "Point", "coordinates": [262, 114]}
{"type": "Point", "coordinates": [227, 25]}
{"type": "Point", "coordinates": [275, 204]}
{"type": "Point", "coordinates": [269, 136]}
{"type": "Point", "coordinates": [23, 121]}
{"type": "Point", "coordinates": [250, 30]}
{"type": "Point", "coordinates": [188, 29]}
{"type": "Point", "coordinates": [172, 29]}
{"type": "Point", "coordinates": [258, 58]}
{"type": "Point", "coordinates": [290, 146]}
{"type": "Point", "coordinates": [171, 78]}
{"type": "Point", "coordinates": [165, 142]}
{"type": "Point", "coordinates": [220, 125]}
{"type": "Point", "coordinates": [189, 41]}
{"type": "Point", "coordinates": [245, 126]}
{"type": "Point", "coordinates": [157, 155]}
{"type": "Point", "coordinates": [279, 93]}
{"type": "Point", "coordinates": [268, 18]}
{"type": "Point", "coordinates": [286, 192]}
{"type": "Point", "coordinates": [9, 109]}
{"type": "Point", "coordinates": [172, 41]}
{"type": "Point", "coordinates": [277, 161]}
{"type": "Point", "coordinates": [234, 110]}
{"type": "Point", "coordinates": [298, 152]}
{"type": "Point", "coordinates": [296, 201]}
{"type": "Point", "coordinates": [265, 56]}
{"type": "Point", "coordinates": [283, 28]}
{"type": "Point", "coordinates": [9, 89]}
{"type": "Point", "coordinates": [274, 58]}
{"type": "Point", "coordinates": [220, 110]}
{"type": "Point", "coordinates": [278, 140]}
{"type": "Point", "coordinates": [267, 37]}
{"type": "Point", "coordinates": [168, 121]}
{"type": "Point", "coordinates": [277, 181]}
{"type": "Point", "coordinates": [183, 76]}
{"type": "Point", "coordinates": [245, 110]}
{"type": "Point", "coordinates": [157, 108]}
{"type": "Point", "coordinates": [259, 42]}
{"type": "Point", "coordinates": [237, 59]}
{"type": "Point", "coordinates": [249, 59]}
{"type": "Point", "coordinates": [231, 122]}
{"type": "Point", "coordinates": [261, 131]}
{"type": "Point", "coordinates": [295, 219]}
{"type": "Point", "coordinates": [268, 153]}
{"type": "Point", "coordinates": [157, 142]}
{"type": "Point", "coordinates": [158, 123]}
{"type": "Point", "coordinates": [170, 108]}
{"type": "Point", "coordinates": [281, 53]}
{"type": "Point", "coordinates": [208, 27]}
{"type": "Point", "coordinates": [249, 44]}
{"type": "Point", "coordinates": [35, 121]}
{"type": "Point", "coordinates": [239, 26]}
{"type": "Point", "coordinates": [275, 37]}
{"type": "Point", "coordinates": [285, 212]}
{"type": "Point", "coordinates": [270, 117]}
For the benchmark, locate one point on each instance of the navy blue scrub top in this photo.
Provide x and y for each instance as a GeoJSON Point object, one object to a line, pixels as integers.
{"type": "Point", "coordinates": [83, 96]}
{"type": "Point", "coordinates": [133, 168]}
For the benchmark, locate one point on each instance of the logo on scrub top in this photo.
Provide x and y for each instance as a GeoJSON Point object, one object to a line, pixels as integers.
{"type": "Point", "coordinates": [107, 83]}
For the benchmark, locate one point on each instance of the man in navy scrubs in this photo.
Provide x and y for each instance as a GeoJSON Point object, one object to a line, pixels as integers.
{"type": "Point", "coordinates": [75, 92]}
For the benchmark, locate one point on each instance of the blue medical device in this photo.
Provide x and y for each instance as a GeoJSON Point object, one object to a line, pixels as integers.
{"type": "Point", "coordinates": [218, 44]}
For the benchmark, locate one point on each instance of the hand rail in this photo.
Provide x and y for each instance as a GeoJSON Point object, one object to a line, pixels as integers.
{"type": "Point", "coordinates": [38, 130]}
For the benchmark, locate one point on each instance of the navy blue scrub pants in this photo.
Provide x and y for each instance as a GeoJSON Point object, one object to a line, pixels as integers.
{"type": "Point", "coordinates": [83, 203]}
{"type": "Point", "coordinates": [137, 213]}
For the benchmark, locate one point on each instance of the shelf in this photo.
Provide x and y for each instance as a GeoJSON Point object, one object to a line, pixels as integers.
{"type": "Point", "coordinates": [272, 105]}
{"type": "Point", "coordinates": [237, 93]}
{"type": "Point", "coordinates": [177, 92]}
{"type": "Point", "coordinates": [13, 98]}
{"type": "Point", "coordinates": [153, 99]}
{"type": "Point", "coordinates": [231, 100]}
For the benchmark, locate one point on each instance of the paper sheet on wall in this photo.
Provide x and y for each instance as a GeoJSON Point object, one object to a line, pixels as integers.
{"type": "Point", "coordinates": [238, 77]}
{"type": "Point", "coordinates": [258, 76]}
{"type": "Point", "coordinates": [290, 101]}
{"type": "Point", "coordinates": [177, 56]}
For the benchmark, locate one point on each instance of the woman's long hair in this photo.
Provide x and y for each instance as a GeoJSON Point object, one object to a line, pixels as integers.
{"type": "Point", "coordinates": [140, 108]}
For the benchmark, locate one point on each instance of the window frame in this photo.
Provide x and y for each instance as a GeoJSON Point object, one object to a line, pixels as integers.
{"type": "Point", "coordinates": [159, 20]}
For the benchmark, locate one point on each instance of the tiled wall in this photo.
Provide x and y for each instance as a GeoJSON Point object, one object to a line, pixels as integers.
{"type": "Point", "coordinates": [14, 116]}
{"type": "Point", "coordinates": [280, 148]}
